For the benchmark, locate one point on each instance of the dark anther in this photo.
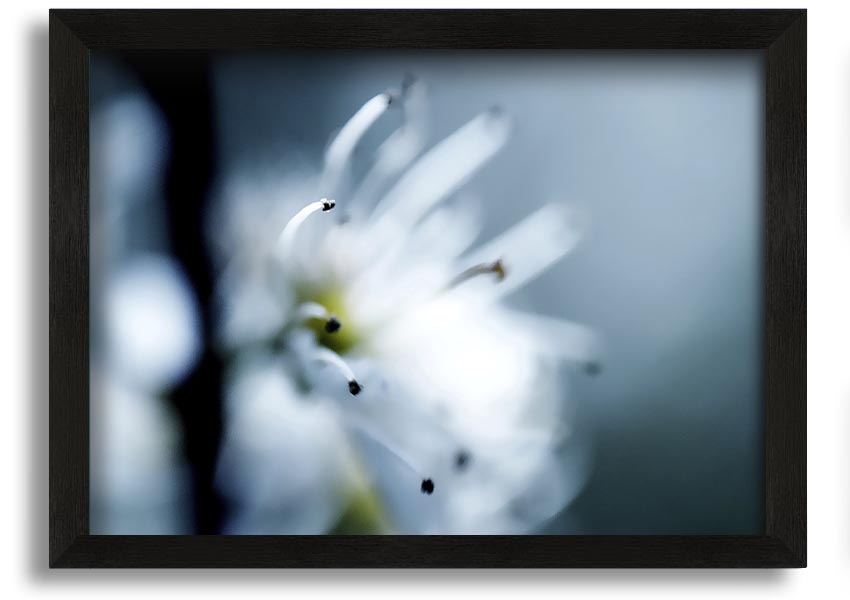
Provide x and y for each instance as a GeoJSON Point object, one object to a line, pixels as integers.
{"type": "Point", "coordinates": [427, 486]}
{"type": "Point", "coordinates": [462, 459]}
{"type": "Point", "coordinates": [354, 387]}
{"type": "Point", "coordinates": [332, 325]}
{"type": "Point", "coordinates": [328, 204]}
{"type": "Point", "coordinates": [592, 368]}
{"type": "Point", "coordinates": [498, 268]}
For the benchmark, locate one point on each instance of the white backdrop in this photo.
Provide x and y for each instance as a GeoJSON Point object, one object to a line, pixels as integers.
{"type": "Point", "coordinates": [23, 437]}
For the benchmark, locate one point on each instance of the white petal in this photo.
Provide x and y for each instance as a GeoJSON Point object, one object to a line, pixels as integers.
{"type": "Point", "coordinates": [448, 231]}
{"type": "Point", "coordinates": [461, 353]}
{"type": "Point", "coordinates": [549, 489]}
{"type": "Point", "coordinates": [442, 170]}
{"type": "Point", "coordinates": [560, 338]}
{"type": "Point", "coordinates": [415, 267]}
{"type": "Point", "coordinates": [283, 453]}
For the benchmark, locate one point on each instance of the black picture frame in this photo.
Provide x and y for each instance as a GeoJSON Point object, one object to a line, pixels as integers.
{"type": "Point", "coordinates": [781, 34]}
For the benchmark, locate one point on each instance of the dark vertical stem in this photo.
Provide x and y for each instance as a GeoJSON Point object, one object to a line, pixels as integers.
{"type": "Point", "coordinates": [180, 84]}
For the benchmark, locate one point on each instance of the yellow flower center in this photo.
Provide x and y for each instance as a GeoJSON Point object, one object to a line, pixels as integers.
{"type": "Point", "coordinates": [344, 339]}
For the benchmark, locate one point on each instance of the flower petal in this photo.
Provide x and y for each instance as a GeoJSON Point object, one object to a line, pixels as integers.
{"type": "Point", "coordinates": [560, 338]}
{"type": "Point", "coordinates": [442, 170]}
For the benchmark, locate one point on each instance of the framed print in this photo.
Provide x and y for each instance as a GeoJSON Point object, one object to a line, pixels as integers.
{"type": "Point", "coordinates": [462, 288]}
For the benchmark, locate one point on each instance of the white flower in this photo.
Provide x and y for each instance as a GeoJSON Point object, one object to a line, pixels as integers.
{"type": "Point", "coordinates": [150, 340]}
{"type": "Point", "coordinates": [153, 331]}
{"type": "Point", "coordinates": [145, 331]}
{"type": "Point", "coordinates": [378, 374]}
{"type": "Point", "coordinates": [138, 480]}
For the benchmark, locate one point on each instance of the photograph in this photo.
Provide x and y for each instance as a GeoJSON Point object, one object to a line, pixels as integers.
{"type": "Point", "coordinates": [395, 292]}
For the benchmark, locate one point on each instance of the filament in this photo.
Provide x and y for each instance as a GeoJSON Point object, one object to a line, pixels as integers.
{"type": "Point", "coordinates": [286, 241]}
{"type": "Point", "coordinates": [400, 148]}
{"type": "Point", "coordinates": [340, 149]}
{"type": "Point", "coordinates": [496, 267]}
{"type": "Point", "coordinates": [314, 310]}
{"type": "Point", "coordinates": [534, 244]}
{"type": "Point", "coordinates": [427, 484]}
{"type": "Point", "coordinates": [329, 357]}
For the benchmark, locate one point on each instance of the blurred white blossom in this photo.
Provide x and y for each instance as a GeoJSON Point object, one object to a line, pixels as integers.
{"type": "Point", "coordinates": [138, 483]}
{"type": "Point", "coordinates": [128, 152]}
{"type": "Point", "coordinates": [145, 331]}
{"type": "Point", "coordinates": [152, 324]}
{"type": "Point", "coordinates": [379, 381]}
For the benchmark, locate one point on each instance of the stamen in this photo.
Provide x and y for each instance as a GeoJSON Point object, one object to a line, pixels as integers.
{"type": "Point", "coordinates": [398, 150]}
{"type": "Point", "coordinates": [340, 149]}
{"type": "Point", "coordinates": [314, 310]}
{"type": "Point", "coordinates": [497, 268]}
{"type": "Point", "coordinates": [311, 310]}
{"type": "Point", "coordinates": [332, 325]}
{"type": "Point", "coordinates": [427, 484]}
{"type": "Point", "coordinates": [330, 357]}
{"type": "Point", "coordinates": [534, 244]}
{"type": "Point", "coordinates": [287, 236]}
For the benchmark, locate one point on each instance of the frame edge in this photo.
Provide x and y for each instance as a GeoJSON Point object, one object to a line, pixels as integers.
{"type": "Point", "coordinates": [785, 291]}
{"type": "Point", "coordinates": [70, 545]}
{"type": "Point", "coordinates": [68, 463]}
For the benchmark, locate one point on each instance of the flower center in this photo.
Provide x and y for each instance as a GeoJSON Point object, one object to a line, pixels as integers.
{"type": "Point", "coordinates": [338, 333]}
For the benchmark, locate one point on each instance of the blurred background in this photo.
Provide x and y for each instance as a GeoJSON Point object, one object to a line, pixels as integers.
{"type": "Point", "coordinates": [661, 152]}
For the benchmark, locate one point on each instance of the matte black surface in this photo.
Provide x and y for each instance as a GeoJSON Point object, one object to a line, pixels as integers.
{"type": "Point", "coordinates": [782, 33]}
{"type": "Point", "coordinates": [190, 29]}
